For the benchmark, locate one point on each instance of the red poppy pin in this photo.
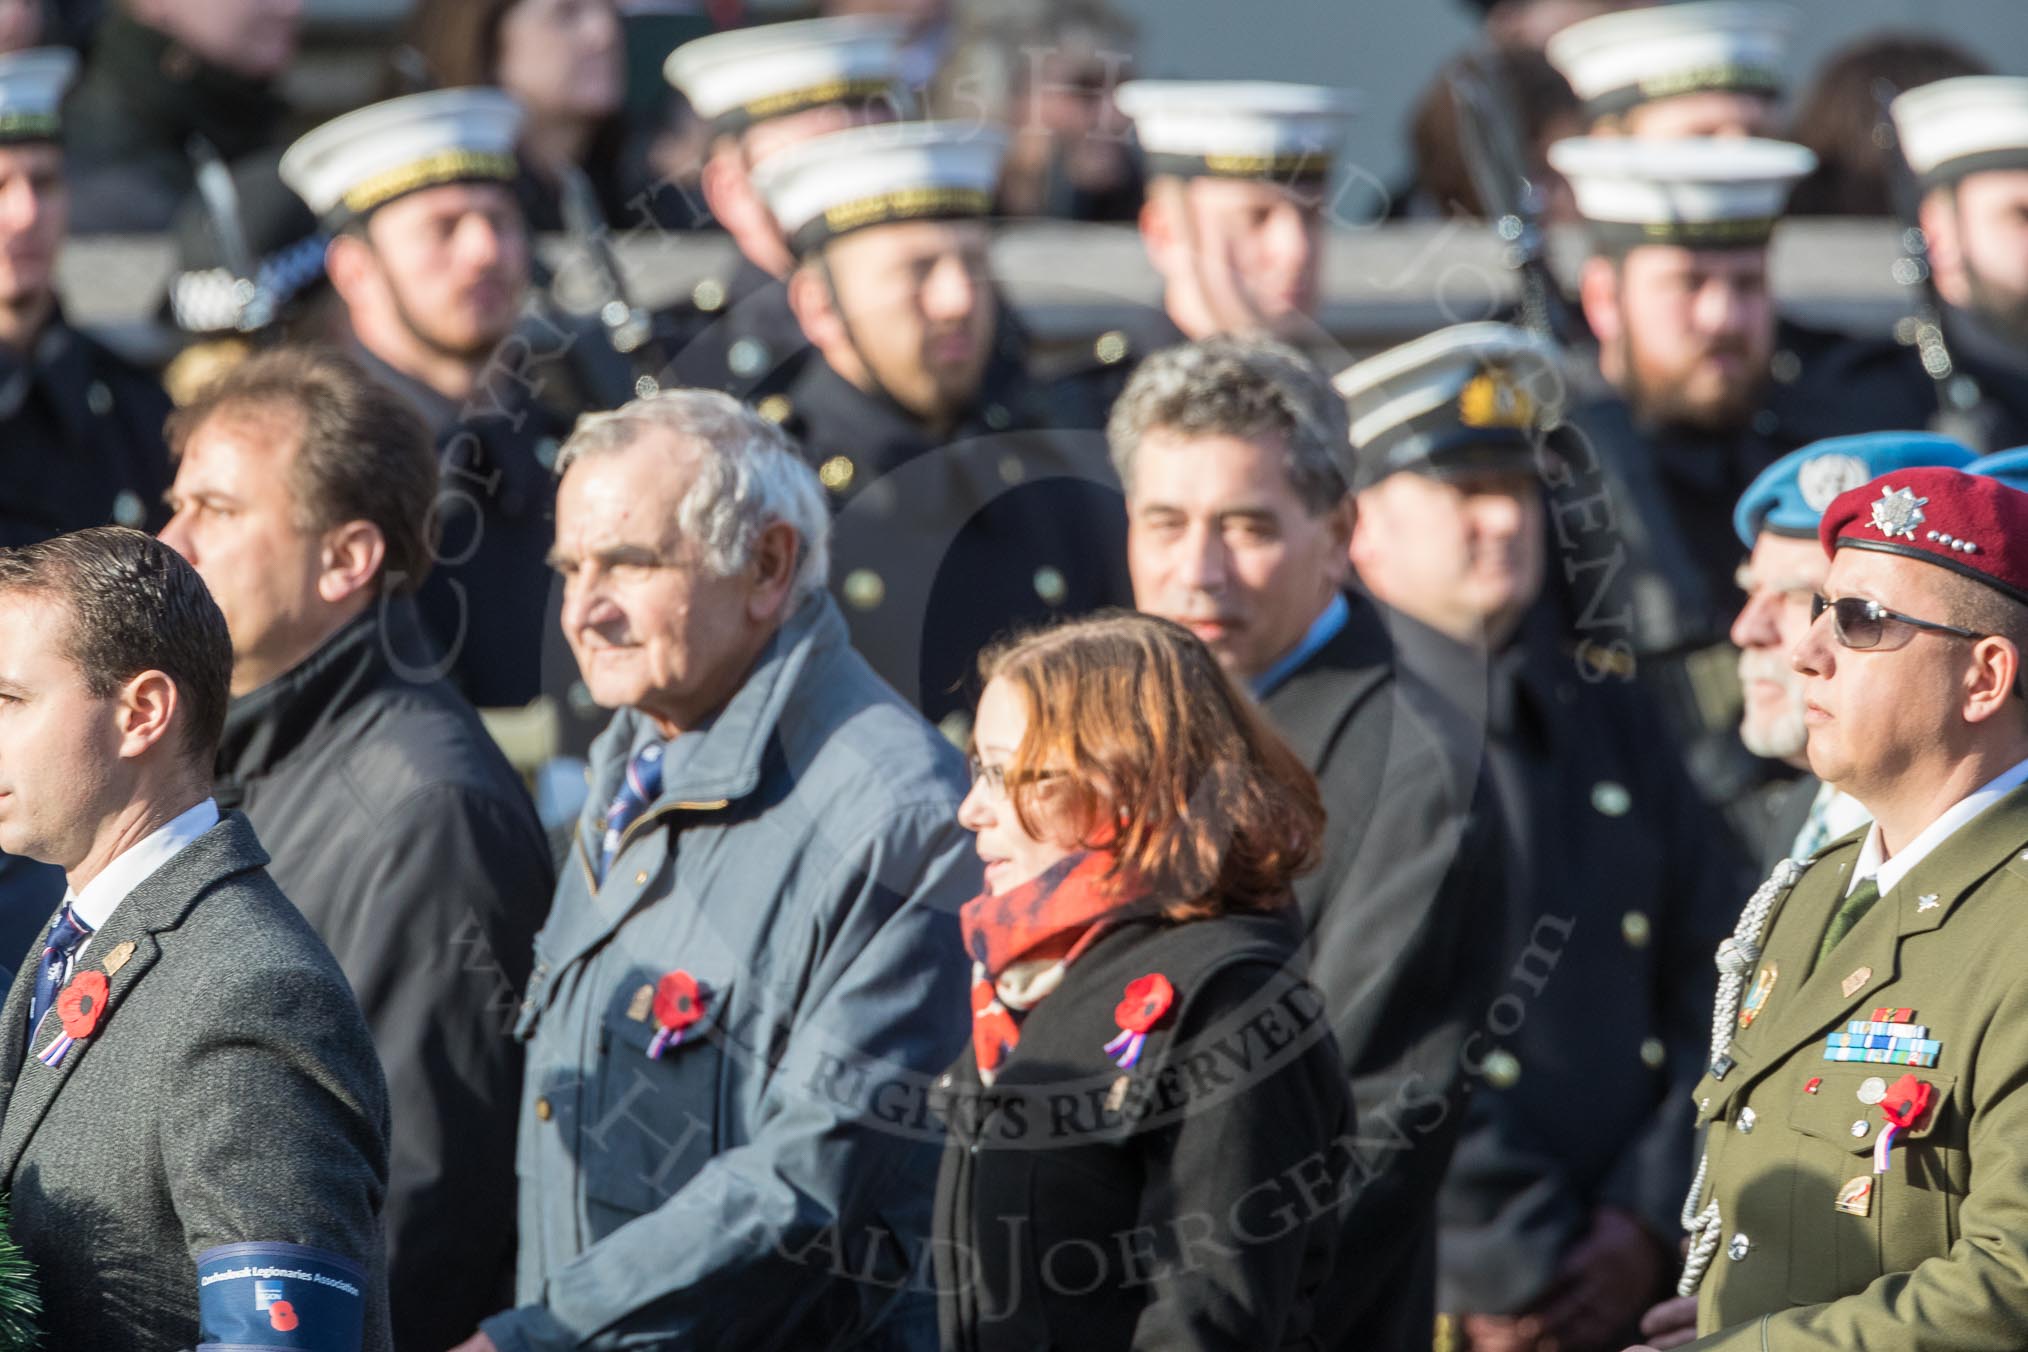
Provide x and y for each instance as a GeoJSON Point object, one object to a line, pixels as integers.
{"type": "Point", "coordinates": [1147, 999]}
{"type": "Point", "coordinates": [283, 1316]}
{"type": "Point", "coordinates": [679, 1003]}
{"type": "Point", "coordinates": [79, 1007]}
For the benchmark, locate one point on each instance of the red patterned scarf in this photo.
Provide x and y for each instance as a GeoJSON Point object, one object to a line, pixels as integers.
{"type": "Point", "coordinates": [1021, 941]}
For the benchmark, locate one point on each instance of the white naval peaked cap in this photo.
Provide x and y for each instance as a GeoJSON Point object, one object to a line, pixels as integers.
{"type": "Point", "coordinates": [352, 164]}
{"type": "Point", "coordinates": [1697, 192]}
{"type": "Point", "coordinates": [874, 175]}
{"type": "Point", "coordinates": [747, 75]}
{"type": "Point", "coordinates": [1635, 56]}
{"type": "Point", "coordinates": [1468, 397]}
{"type": "Point", "coordinates": [1237, 128]}
{"type": "Point", "coordinates": [1963, 125]}
{"type": "Point", "coordinates": [32, 85]}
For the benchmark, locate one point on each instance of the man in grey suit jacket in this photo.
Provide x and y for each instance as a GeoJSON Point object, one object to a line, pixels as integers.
{"type": "Point", "coordinates": [195, 1126]}
{"type": "Point", "coordinates": [752, 973]}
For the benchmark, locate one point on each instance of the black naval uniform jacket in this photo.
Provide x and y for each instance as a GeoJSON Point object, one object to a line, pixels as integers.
{"type": "Point", "coordinates": [738, 336]}
{"type": "Point", "coordinates": [399, 831]}
{"type": "Point", "coordinates": [1398, 920]}
{"type": "Point", "coordinates": [80, 440]}
{"type": "Point", "coordinates": [1186, 1203]}
{"type": "Point", "coordinates": [1838, 384]}
{"type": "Point", "coordinates": [1622, 882]}
{"type": "Point", "coordinates": [1643, 559]}
{"type": "Point", "coordinates": [491, 605]}
{"type": "Point", "coordinates": [943, 543]}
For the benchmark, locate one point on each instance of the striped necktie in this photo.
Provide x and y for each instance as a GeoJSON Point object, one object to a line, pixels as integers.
{"type": "Point", "coordinates": [65, 934]}
{"type": "Point", "coordinates": [640, 786]}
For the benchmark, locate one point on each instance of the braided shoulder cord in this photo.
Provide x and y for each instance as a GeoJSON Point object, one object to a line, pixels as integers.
{"type": "Point", "coordinates": [1735, 959]}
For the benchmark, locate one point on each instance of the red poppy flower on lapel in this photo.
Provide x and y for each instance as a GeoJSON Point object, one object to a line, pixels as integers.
{"type": "Point", "coordinates": [679, 1003]}
{"type": "Point", "coordinates": [1148, 999]}
{"type": "Point", "coordinates": [82, 1004]}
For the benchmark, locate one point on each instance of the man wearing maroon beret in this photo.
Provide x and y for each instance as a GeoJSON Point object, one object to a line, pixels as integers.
{"type": "Point", "coordinates": [1865, 1107]}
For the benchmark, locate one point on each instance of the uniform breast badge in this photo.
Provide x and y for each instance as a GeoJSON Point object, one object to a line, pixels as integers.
{"type": "Point", "coordinates": [1763, 986]}
{"type": "Point", "coordinates": [1856, 1197]}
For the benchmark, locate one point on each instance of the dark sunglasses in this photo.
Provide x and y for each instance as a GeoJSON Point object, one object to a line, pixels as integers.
{"type": "Point", "coordinates": [1860, 623]}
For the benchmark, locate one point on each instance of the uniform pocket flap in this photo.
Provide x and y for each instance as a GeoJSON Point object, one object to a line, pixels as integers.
{"type": "Point", "coordinates": [1845, 1108]}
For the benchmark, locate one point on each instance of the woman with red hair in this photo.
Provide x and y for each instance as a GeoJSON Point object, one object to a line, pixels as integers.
{"type": "Point", "coordinates": [1149, 1138]}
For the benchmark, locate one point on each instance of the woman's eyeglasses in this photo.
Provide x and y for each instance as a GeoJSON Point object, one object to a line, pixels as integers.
{"type": "Point", "coordinates": [996, 778]}
{"type": "Point", "coordinates": [1860, 623]}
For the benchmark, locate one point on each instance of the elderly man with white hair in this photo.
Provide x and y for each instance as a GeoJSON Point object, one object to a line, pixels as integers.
{"type": "Point", "coordinates": [751, 974]}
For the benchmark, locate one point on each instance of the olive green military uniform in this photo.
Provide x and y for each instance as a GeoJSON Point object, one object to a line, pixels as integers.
{"type": "Point", "coordinates": [1813, 1249]}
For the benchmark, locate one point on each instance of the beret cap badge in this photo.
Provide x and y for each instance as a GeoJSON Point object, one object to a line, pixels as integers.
{"type": "Point", "coordinates": [1898, 511]}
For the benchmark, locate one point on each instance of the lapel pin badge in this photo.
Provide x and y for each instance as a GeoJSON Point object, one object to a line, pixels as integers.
{"type": "Point", "coordinates": [1853, 982]}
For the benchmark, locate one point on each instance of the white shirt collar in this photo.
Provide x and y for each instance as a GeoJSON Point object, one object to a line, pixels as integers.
{"type": "Point", "coordinates": [95, 905]}
{"type": "Point", "coordinates": [1886, 873]}
{"type": "Point", "coordinates": [1843, 814]}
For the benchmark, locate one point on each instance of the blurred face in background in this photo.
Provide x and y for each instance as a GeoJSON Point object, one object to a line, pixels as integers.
{"type": "Point", "coordinates": [20, 25]}
{"type": "Point", "coordinates": [1235, 255]}
{"type": "Point", "coordinates": [448, 267]}
{"type": "Point", "coordinates": [1685, 335]}
{"type": "Point", "coordinates": [906, 308]}
{"type": "Point", "coordinates": [255, 39]}
{"type": "Point", "coordinates": [1709, 112]}
{"type": "Point", "coordinates": [34, 213]}
{"type": "Point", "coordinates": [563, 58]}
{"type": "Point", "coordinates": [1463, 554]}
{"type": "Point", "coordinates": [1979, 244]}
{"type": "Point", "coordinates": [1779, 578]}
{"type": "Point", "coordinates": [738, 206]}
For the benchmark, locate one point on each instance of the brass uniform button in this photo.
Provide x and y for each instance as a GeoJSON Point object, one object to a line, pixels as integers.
{"type": "Point", "coordinates": [1503, 1070]}
{"type": "Point", "coordinates": [708, 295]}
{"type": "Point", "coordinates": [640, 877]}
{"type": "Point", "coordinates": [1012, 471]}
{"type": "Point", "coordinates": [1636, 929]}
{"type": "Point", "coordinates": [1111, 347]}
{"type": "Point", "coordinates": [1050, 586]}
{"type": "Point", "coordinates": [542, 1110]}
{"type": "Point", "coordinates": [1653, 1054]}
{"type": "Point", "coordinates": [776, 408]}
{"type": "Point", "coordinates": [864, 589]}
{"type": "Point", "coordinates": [836, 473]}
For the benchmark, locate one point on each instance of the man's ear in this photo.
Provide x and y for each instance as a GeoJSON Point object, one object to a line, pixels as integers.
{"type": "Point", "coordinates": [1994, 682]}
{"type": "Point", "coordinates": [349, 263]}
{"type": "Point", "coordinates": [1598, 293]}
{"type": "Point", "coordinates": [148, 705]}
{"type": "Point", "coordinates": [352, 556]}
{"type": "Point", "coordinates": [1160, 235]}
{"type": "Point", "coordinates": [1343, 521]}
{"type": "Point", "coordinates": [815, 307]}
{"type": "Point", "coordinates": [776, 551]}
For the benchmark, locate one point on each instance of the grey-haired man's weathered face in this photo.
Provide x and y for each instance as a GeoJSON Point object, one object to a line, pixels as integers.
{"type": "Point", "coordinates": [651, 625]}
